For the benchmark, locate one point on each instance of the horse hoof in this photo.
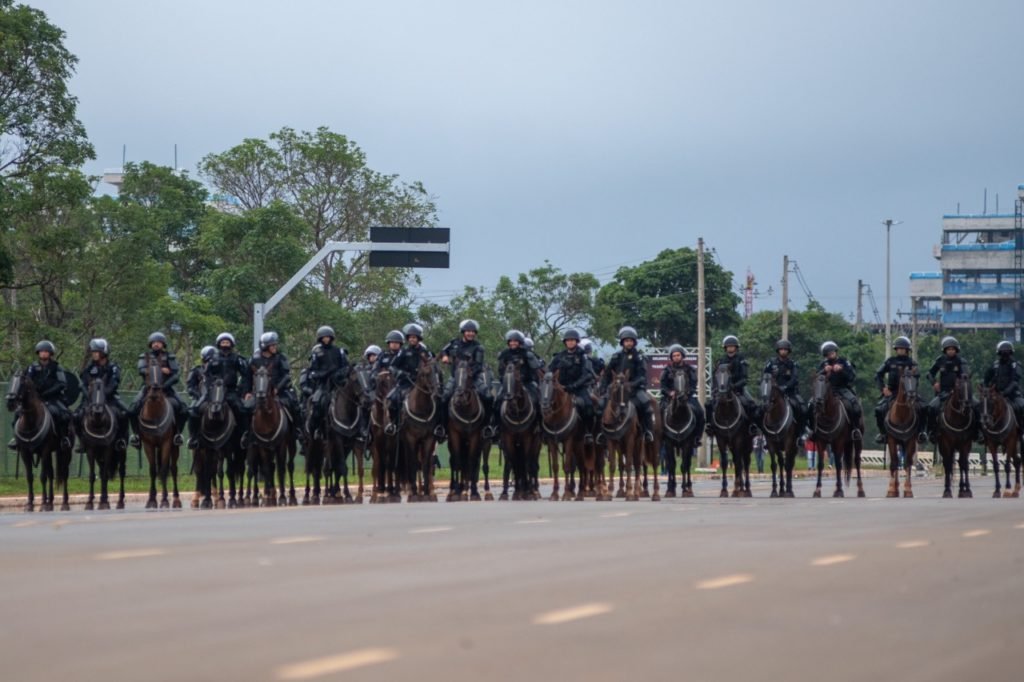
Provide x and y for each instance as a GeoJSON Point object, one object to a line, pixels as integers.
{"type": "Point", "coordinates": [305, 501]}
{"type": "Point", "coordinates": [232, 504]}
{"type": "Point", "coordinates": [29, 507]}
{"type": "Point", "coordinates": [670, 494]}
{"type": "Point", "coordinates": [969, 494]}
{"type": "Point", "coordinates": [165, 504]}
{"type": "Point", "coordinates": [789, 494]}
{"type": "Point", "coordinates": [432, 498]}
{"type": "Point", "coordinates": [644, 493]}
{"type": "Point", "coordinates": [555, 498]}
{"type": "Point", "coordinates": [503, 497]}
{"type": "Point", "coordinates": [747, 493]}
{"type": "Point", "coordinates": [65, 507]}
{"type": "Point", "coordinates": [997, 494]}
{"type": "Point", "coordinates": [176, 504]}
{"type": "Point", "coordinates": [104, 506]}
{"type": "Point", "coordinates": [1015, 493]}
{"type": "Point", "coordinates": [817, 493]}
{"type": "Point", "coordinates": [488, 497]}
{"type": "Point", "coordinates": [206, 504]}
{"type": "Point", "coordinates": [908, 493]}
{"type": "Point", "coordinates": [655, 497]}
{"type": "Point", "coordinates": [737, 493]}
{"type": "Point", "coordinates": [219, 504]}
{"type": "Point", "coordinates": [687, 493]}
{"type": "Point", "coordinates": [151, 504]}
{"type": "Point", "coordinates": [48, 507]}
{"type": "Point", "coordinates": [1007, 494]}
{"type": "Point", "coordinates": [948, 494]}
{"type": "Point", "coordinates": [892, 493]}
{"type": "Point", "coordinates": [838, 493]}
{"type": "Point", "coordinates": [580, 497]}
{"type": "Point", "coordinates": [283, 501]}
{"type": "Point", "coordinates": [620, 494]}
{"type": "Point", "coordinates": [475, 497]}
{"type": "Point", "coordinates": [774, 494]}
{"type": "Point", "coordinates": [860, 493]}
{"type": "Point", "coordinates": [88, 506]}
{"type": "Point", "coordinates": [464, 497]}
{"type": "Point", "coordinates": [120, 504]}
{"type": "Point", "coordinates": [194, 503]}
{"type": "Point", "coordinates": [451, 497]}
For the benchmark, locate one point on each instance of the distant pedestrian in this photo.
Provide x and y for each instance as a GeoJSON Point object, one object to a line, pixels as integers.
{"type": "Point", "coordinates": [812, 450]}
{"type": "Point", "coordinates": [759, 452]}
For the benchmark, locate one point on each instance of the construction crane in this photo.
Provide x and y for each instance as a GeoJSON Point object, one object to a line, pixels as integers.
{"type": "Point", "coordinates": [750, 293]}
{"type": "Point", "coordinates": [874, 306]}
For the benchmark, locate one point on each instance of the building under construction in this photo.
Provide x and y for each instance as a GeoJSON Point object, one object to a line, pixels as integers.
{"type": "Point", "coordinates": [980, 283]}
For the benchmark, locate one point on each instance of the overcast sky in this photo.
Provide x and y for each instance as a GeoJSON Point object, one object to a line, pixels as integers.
{"type": "Point", "coordinates": [596, 134]}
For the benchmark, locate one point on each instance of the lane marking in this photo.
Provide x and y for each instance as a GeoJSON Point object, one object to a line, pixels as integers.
{"type": "Point", "coordinates": [318, 667]}
{"type": "Point", "coordinates": [571, 614]}
{"type": "Point", "coordinates": [725, 581]}
{"type": "Point", "coordinates": [527, 522]}
{"type": "Point", "coordinates": [1019, 526]}
{"type": "Point", "coordinates": [24, 524]}
{"type": "Point", "coordinates": [433, 529]}
{"type": "Point", "coordinates": [833, 559]}
{"type": "Point", "coordinates": [615, 515]}
{"type": "Point", "coordinates": [913, 544]}
{"type": "Point", "coordinates": [130, 554]}
{"type": "Point", "coordinates": [976, 533]}
{"type": "Point", "coordinates": [296, 540]}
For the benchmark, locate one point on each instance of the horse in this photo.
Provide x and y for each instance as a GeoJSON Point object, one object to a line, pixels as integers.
{"type": "Point", "coordinates": [466, 420]}
{"type": "Point", "coordinates": [624, 435]}
{"type": "Point", "coordinates": [832, 428]}
{"type": "Point", "coordinates": [680, 435]}
{"type": "Point", "coordinates": [418, 419]}
{"type": "Point", "coordinates": [156, 430]}
{"type": "Point", "coordinates": [902, 427]}
{"type": "Point", "coordinates": [732, 432]}
{"type": "Point", "coordinates": [217, 443]}
{"type": "Point", "coordinates": [342, 434]}
{"type": "Point", "coordinates": [779, 426]}
{"type": "Point", "coordinates": [36, 434]}
{"type": "Point", "coordinates": [272, 440]}
{"type": "Point", "coordinates": [385, 448]}
{"type": "Point", "coordinates": [1000, 428]}
{"type": "Point", "coordinates": [956, 427]}
{"type": "Point", "coordinates": [519, 436]}
{"type": "Point", "coordinates": [562, 428]}
{"type": "Point", "coordinates": [99, 434]}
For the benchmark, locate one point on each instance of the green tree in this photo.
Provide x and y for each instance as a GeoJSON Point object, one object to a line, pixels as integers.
{"type": "Point", "coordinates": [441, 323]}
{"type": "Point", "coordinates": [659, 298]}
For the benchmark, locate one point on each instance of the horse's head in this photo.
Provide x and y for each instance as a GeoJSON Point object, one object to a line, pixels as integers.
{"type": "Point", "coordinates": [723, 380]}
{"type": "Point", "coordinates": [461, 377]}
{"type": "Point", "coordinates": [962, 388]}
{"type": "Point", "coordinates": [362, 380]}
{"type": "Point", "coordinates": [15, 391]}
{"type": "Point", "coordinates": [547, 390]}
{"type": "Point", "coordinates": [261, 384]}
{"type": "Point", "coordinates": [426, 375]}
{"type": "Point", "coordinates": [97, 397]}
{"type": "Point", "coordinates": [908, 383]}
{"type": "Point", "coordinates": [618, 388]}
{"type": "Point", "coordinates": [154, 378]}
{"type": "Point", "coordinates": [215, 394]}
{"type": "Point", "coordinates": [385, 382]}
{"type": "Point", "coordinates": [767, 385]}
{"type": "Point", "coordinates": [512, 379]}
{"type": "Point", "coordinates": [819, 389]}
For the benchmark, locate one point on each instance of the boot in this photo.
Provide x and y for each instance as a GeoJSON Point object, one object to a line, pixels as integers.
{"type": "Point", "coordinates": [649, 426]}
{"type": "Point", "coordinates": [13, 444]}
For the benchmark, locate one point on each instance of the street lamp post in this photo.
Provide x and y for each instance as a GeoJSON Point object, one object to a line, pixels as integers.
{"type": "Point", "coordinates": [888, 222]}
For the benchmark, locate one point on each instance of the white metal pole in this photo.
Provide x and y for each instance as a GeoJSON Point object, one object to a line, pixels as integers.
{"type": "Point", "coordinates": [701, 344]}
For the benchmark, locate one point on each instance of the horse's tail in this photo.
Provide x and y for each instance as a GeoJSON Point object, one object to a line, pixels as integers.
{"type": "Point", "coordinates": [848, 461]}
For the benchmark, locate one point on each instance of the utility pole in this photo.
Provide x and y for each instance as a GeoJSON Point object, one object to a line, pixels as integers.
{"type": "Point", "coordinates": [785, 297]}
{"type": "Point", "coordinates": [888, 222]}
{"type": "Point", "coordinates": [860, 305]}
{"type": "Point", "coordinates": [701, 342]}
{"type": "Point", "coordinates": [913, 327]}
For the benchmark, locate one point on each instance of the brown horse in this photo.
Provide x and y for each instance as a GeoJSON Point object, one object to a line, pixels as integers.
{"type": "Point", "coordinates": [418, 419]}
{"type": "Point", "coordinates": [99, 428]}
{"type": "Point", "coordinates": [1000, 428]}
{"type": "Point", "coordinates": [216, 444]}
{"type": "Point", "coordinates": [562, 429]}
{"type": "Point", "coordinates": [520, 439]}
{"type": "Point", "coordinates": [623, 433]}
{"type": "Point", "coordinates": [956, 426]}
{"type": "Point", "coordinates": [156, 430]}
{"type": "Point", "coordinates": [902, 427]}
{"type": "Point", "coordinates": [272, 440]}
{"type": "Point", "coordinates": [36, 434]}
{"type": "Point", "coordinates": [779, 426]}
{"type": "Point", "coordinates": [387, 478]}
{"type": "Point", "coordinates": [344, 431]}
{"type": "Point", "coordinates": [466, 420]}
{"type": "Point", "coordinates": [680, 435]}
{"type": "Point", "coordinates": [732, 432]}
{"type": "Point", "coordinates": [832, 429]}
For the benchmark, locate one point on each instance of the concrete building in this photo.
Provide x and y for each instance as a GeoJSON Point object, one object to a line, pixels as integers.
{"type": "Point", "coordinates": [980, 284]}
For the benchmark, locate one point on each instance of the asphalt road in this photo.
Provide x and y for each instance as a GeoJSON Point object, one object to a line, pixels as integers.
{"type": "Point", "coordinates": [697, 589]}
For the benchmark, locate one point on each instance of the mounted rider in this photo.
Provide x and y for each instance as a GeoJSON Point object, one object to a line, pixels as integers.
{"type": "Point", "coordinates": [231, 368]}
{"type": "Point", "coordinates": [405, 367]}
{"type": "Point", "coordinates": [596, 361]}
{"type": "Point", "coordinates": [738, 377]}
{"type": "Point", "coordinates": [787, 378]}
{"type": "Point", "coordinates": [677, 363]}
{"type": "Point", "coordinates": [169, 369]}
{"type": "Point", "coordinates": [365, 367]}
{"type": "Point", "coordinates": [51, 384]}
{"type": "Point", "coordinates": [109, 373]}
{"type": "Point", "coordinates": [887, 379]}
{"type": "Point", "coordinates": [840, 373]}
{"type": "Point", "coordinates": [576, 375]}
{"type": "Point", "coordinates": [392, 347]}
{"type": "Point", "coordinates": [943, 375]}
{"type": "Point", "coordinates": [270, 356]}
{"type": "Point", "coordinates": [328, 369]}
{"type": "Point", "coordinates": [1005, 376]}
{"type": "Point", "coordinates": [528, 345]}
{"type": "Point", "coordinates": [464, 349]}
{"type": "Point", "coordinates": [195, 386]}
{"type": "Point", "coordinates": [630, 359]}
{"type": "Point", "coordinates": [516, 357]}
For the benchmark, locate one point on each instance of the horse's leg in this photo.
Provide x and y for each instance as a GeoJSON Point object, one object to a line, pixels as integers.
{"type": "Point", "coordinates": [64, 473]}
{"type": "Point", "coordinates": [947, 473]}
{"type": "Point", "coordinates": [821, 466]}
{"type": "Point", "coordinates": [908, 465]}
{"type": "Point", "coordinates": [26, 457]}
{"type": "Point", "coordinates": [91, 456]}
{"type": "Point", "coordinates": [747, 492]}
{"type": "Point", "coordinates": [151, 458]}
{"type": "Point", "coordinates": [686, 480]}
{"type": "Point", "coordinates": [894, 464]}
{"type": "Point", "coordinates": [1007, 454]}
{"type": "Point", "coordinates": [995, 470]}
{"type": "Point", "coordinates": [172, 457]}
{"type": "Point", "coordinates": [723, 465]}
{"type": "Point", "coordinates": [790, 463]}
{"type": "Point", "coordinates": [840, 454]}
{"type": "Point", "coordinates": [553, 465]}
{"type": "Point", "coordinates": [121, 466]}
{"type": "Point", "coordinates": [656, 466]}
{"type": "Point", "coordinates": [772, 458]}
{"type": "Point", "coordinates": [105, 467]}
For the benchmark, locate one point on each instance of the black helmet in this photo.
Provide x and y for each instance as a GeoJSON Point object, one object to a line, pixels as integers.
{"type": "Point", "coordinates": [412, 329]}
{"type": "Point", "coordinates": [527, 343]}
{"type": "Point", "coordinates": [372, 349]}
{"type": "Point", "coordinates": [47, 346]}
{"type": "Point", "coordinates": [207, 353]}
{"type": "Point", "coordinates": [394, 336]}
{"type": "Point", "coordinates": [676, 348]}
{"type": "Point", "coordinates": [268, 339]}
{"type": "Point", "coordinates": [99, 345]}
{"type": "Point", "coordinates": [587, 345]}
{"type": "Point", "coordinates": [730, 340]}
{"type": "Point", "coordinates": [157, 336]}
{"type": "Point", "coordinates": [515, 335]}
{"type": "Point", "coordinates": [469, 326]}
{"type": "Point", "coordinates": [324, 331]}
{"type": "Point", "coordinates": [627, 333]}
{"type": "Point", "coordinates": [901, 342]}
{"type": "Point", "coordinates": [950, 342]}
{"type": "Point", "coordinates": [828, 347]}
{"type": "Point", "coordinates": [1003, 347]}
{"type": "Point", "coordinates": [783, 344]}
{"type": "Point", "coordinates": [571, 333]}
{"type": "Point", "coordinates": [225, 336]}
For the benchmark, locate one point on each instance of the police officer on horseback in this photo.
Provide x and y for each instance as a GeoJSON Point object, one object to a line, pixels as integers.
{"type": "Point", "coordinates": [392, 346]}
{"type": "Point", "coordinates": [270, 356]}
{"type": "Point", "coordinates": [597, 363]}
{"type": "Point", "coordinates": [943, 375]}
{"type": "Point", "coordinates": [738, 377]}
{"type": "Point", "coordinates": [630, 359]}
{"type": "Point", "coordinates": [1005, 376]}
{"type": "Point", "coordinates": [840, 373]}
{"type": "Point", "coordinates": [328, 368]}
{"type": "Point", "coordinates": [405, 367]}
{"type": "Point", "coordinates": [230, 367]}
{"type": "Point", "coordinates": [101, 368]}
{"type": "Point", "coordinates": [576, 375]}
{"type": "Point", "coordinates": [517, 358]}
{"type": "Point", "coordinates": [195, 386]}
{"type": "Point", "coordinates": [787, 377]}
{"type": "Point", "coordinates": [51, 384]}
{"type": "Point", "coordinates": [465, 349]}
{"type": "Point", "coordinates": [365, 368]}
{"type": "Point", "coordinates": [677, 363]}
{"type": "Point", "coordinates": [887, 379]}
{"type": "Point", "coordinates": [170, 371]}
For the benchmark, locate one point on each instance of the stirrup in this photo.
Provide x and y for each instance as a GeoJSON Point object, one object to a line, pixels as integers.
{"type": "Point", "coordinates": [599, 438]}
{"type": "Point", "coordinates": [922, 437]}
{"type": "Point", "coordinates": [177, 439]}
{"type": "Point", "coordinates": [648, 435]}
{"type": "Point", "coordinates": [120, 445]}
{"type": "Point", "coordinates": [13, 444]}
{"type": "Point", "coordinates": [490, 431]}
{"type": "Point", "coordinates": [65, 443]}
{"type": "Point", "coordinates": [856, 435]}
{"type": "Point", "coordinates": [880, 438]}
{"type": "Point", "coordinates": [390, 429]}
{"type": "Point", "coordinates": [588, 439]}
{"type": "Point", "coordinates": [193, 442]}
{"type": "Point", "coordinates": [439, 432]}
{"type": "Point", "coordinates": [135, 441]}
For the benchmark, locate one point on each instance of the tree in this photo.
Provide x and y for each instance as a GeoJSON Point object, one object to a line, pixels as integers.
{"type": "Point", "coordinates": [659, 298]}
{"type": "Point", "coordinates": [441, 323]}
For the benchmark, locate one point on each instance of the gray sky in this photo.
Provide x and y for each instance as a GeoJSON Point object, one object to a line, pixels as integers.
{"type": "Point", "coordinates": [598, 133]}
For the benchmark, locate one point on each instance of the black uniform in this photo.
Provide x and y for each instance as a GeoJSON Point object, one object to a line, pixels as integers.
{"type": "Point", "coordinates": [739, 374]}
{"type": "Point", "coordinates": [946, 370]}
{"type": "Point", "coordinates": [842, 383]}
{"type": "Point", "coordinates": [471, 354]}
{"type": "Point", "coordinates": [51, 383]}
{"type": "Point", "coordinates": [523, 361]}
{"type": "Point", "coordinates": [787, 377]}
{"type": "Point", "coordinates": [328, 368]}
{"type": "Point", "coordinates": [889, 375]}
{"type": "Point", "coordinates": [597, 364]}
{"type": "Point", "coordinates": [668, 385]}
{"type": "Point", "coordinates": [164, 360]}
{"type": "Point", "coordinates": [1005, 375]}
{"type": "Point", "coordinates": [110, 376]}
{"type": "Point", "coordinates": [632, 361]}
{"type": "Point", "coordinates": [233, 370]}
{"type": "Point", "coordinates": [404, 367]}
{"type": "Point", "coordinates": [576, 374]}
{"type": "Point", "coordinates": [281, 379]}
